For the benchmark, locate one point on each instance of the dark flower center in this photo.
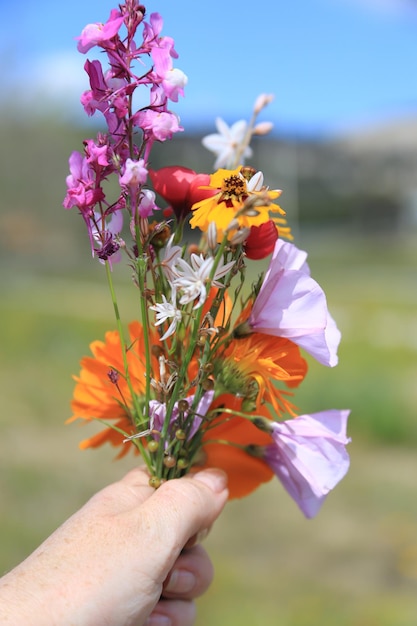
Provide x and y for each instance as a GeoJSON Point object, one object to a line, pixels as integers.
{"type": "Point", "coordinates": [233, 189]}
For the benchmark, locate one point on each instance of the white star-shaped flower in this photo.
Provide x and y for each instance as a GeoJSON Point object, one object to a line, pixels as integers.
{"type": "Point", "coordinates": [228, 143]}
{"type": "Point", "coordinates": [166, 310]}
{"type": "Point", "coordinates": [192, 278]}
{"type": "Point", "coordinates": [169, 258]}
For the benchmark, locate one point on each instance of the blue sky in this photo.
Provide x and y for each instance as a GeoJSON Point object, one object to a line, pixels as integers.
{"type": "Point", "coordinates": [331, 64]}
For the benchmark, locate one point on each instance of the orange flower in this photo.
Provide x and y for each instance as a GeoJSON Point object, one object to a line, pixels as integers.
{"type": "Point", "coordinates": [249, 367]}
{"type": "Point", "coordinates": [97, 397]}
{"type": "Point", "coordinates": [245, 471]}
{"type": "Point", "coordinates": [101, 394]}
{"type": "Point", "coordinates": [113, 437]}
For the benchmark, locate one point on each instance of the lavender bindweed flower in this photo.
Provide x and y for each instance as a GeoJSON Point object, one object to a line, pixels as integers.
{"type": "Point", "coordinates": [291, 304]}
{"type": "Point", "coordinates": [308, 456]}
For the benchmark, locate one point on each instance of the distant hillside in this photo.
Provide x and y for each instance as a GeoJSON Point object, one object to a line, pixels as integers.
{"type": "Point", "coordinates": [398, 135]}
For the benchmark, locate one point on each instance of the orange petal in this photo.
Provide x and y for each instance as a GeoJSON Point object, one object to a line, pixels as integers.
{"type": "Point", "coordinates": [245, 472]}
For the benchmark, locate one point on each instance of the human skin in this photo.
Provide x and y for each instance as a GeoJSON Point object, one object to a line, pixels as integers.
{"type": "Point", "coordinates": [128, 557]}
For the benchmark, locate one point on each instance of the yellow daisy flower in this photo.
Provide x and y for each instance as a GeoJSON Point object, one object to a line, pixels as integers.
{"type": "Point", "coordinates": [238, 202]}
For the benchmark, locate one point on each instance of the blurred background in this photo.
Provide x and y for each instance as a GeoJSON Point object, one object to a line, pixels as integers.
{"type": "Point", "coordinates": [344, 151]}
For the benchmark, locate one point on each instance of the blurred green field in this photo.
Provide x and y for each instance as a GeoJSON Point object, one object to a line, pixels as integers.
{"type": "Point", "coordinates": [356, 563]}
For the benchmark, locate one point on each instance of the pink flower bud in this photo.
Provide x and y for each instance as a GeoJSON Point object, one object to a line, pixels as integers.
{"type": "Point", "coordinates": [263, 128]}
{"type": "Point", "coordinates": [261, 102]}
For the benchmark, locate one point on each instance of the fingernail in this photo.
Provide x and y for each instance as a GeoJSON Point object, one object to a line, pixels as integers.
{"type": "Point", "coordinates": [215, 479]}
{"type": "Point", "coordinates": [180, 581]}
{"type": "Point", "coordinates": [157, 619]}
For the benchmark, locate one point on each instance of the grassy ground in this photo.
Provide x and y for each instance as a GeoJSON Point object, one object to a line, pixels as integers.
{"type": "Point", "coordinates": [356, 564]}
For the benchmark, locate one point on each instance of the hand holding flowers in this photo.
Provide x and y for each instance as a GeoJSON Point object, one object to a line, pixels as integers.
{"type": "Point", "coordinates": [205, 377]}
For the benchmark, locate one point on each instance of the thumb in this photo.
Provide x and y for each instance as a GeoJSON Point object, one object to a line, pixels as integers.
{"type": "Point", "coordinates": [179, 510]}
{"type": "Point", "coordinates": [189, 505]}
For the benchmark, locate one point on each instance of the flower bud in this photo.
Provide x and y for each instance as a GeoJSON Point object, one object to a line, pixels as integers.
{"type": "Point", "coordinates": [160, 233]}
{"type": "Point", "coordinates": [212, 235]}
{"type": "Point", "coordinates": [263, 128]}
{"type": "Point", "coordinates": [254, 450]}
{"type": "Point", "coordinates": [170, 461]}
{"type": "Point", "coordinates": [193, 249]}
{"type": "Point", "coordinates": [208, 384]}
{"type": "Point", "coordinates": [262, 101]}
{"type": "Point", "coordinates": [153, 445]}
{"type": "Point", "coordinates": [242, 330]}
{"type": "Point", "coordinates": [183, 406]}
{"type": "Point", "coordinates": [247, 172]}
{"type": "Point", "coordinates": [263, 424]}
{"type": "Point", "coordinates": [155, 482]}
{"type": "Point", "coordinates": [113, 376]}
{"type": "Point", "coordinates": [240, 236]}
{"type": "Point", "coordinates": [182, 463]}
{"type": "Point", "coordinates": [234, 224]}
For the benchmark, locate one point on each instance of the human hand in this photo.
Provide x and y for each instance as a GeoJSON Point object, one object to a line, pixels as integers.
{"type": "Point", "coordinates": [120, 560]}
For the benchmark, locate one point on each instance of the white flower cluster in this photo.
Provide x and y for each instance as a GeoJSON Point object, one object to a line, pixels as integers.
{"type": "Point", "coordinates": [188, 282]}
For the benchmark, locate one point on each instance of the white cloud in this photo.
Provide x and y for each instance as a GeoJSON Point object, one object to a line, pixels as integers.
{"type": "Point", "coordinates": [63, 69]}
{"type": "Point", "coordinates": [59, 79]}
{"type": "Point", "coordinates": [51, 83]}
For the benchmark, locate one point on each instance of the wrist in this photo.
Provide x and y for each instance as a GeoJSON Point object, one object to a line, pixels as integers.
{"type": "Point", "coordinates": [22, 600]}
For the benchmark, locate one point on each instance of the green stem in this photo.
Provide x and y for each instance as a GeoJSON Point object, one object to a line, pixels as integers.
{"type": "Point", "coordinates": [141, 273]}
{"type": "Point", "coordinates": [245, 142]}
{"type": "Point", "coordinates": [133, 395]}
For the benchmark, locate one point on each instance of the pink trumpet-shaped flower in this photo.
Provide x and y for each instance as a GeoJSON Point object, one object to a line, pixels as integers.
{"type": "Point", "coordinates": [135, 173]}
{"type": "Point", "coordinates": [98, 34]}
{"type": "Point", "coordinates": [308, 456]}
{"type": "Point", "coordinates": [291, 304]}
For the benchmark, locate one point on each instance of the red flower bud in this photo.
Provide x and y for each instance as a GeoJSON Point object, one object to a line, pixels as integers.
{"type": "Point", "coordinates": [179, 186]}
{"type": "Point", "coordinates": [261, 240]}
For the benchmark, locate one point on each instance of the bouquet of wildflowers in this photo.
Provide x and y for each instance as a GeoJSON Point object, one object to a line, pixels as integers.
{"type": "Point", "coordinates": [204, 375]}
